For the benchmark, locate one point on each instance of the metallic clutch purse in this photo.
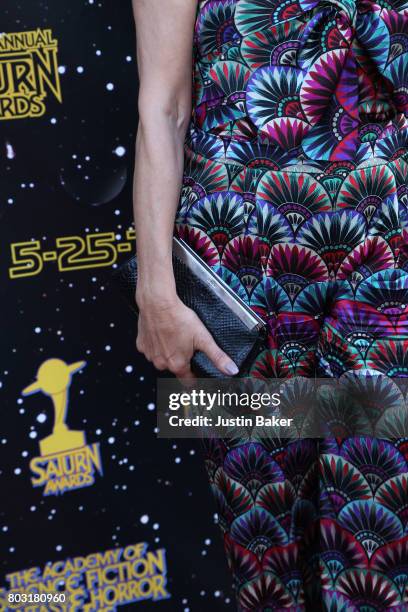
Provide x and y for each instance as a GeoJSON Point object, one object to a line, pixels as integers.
{"type": "Point", "coordinates": [237, 329]}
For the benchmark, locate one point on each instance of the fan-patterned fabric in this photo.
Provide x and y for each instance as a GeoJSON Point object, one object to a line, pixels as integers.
{"type": "Point", "coordinates": [295, 192]}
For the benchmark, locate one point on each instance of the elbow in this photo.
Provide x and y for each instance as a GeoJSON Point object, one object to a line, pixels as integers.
{"type": "Point", "coordinates": [158, 110]}
{"type": "Point", "coordinates": [178, 112]}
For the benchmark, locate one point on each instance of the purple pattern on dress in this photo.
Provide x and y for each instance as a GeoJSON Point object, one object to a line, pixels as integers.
{"type": "Point", "coordinates": [295, 192]}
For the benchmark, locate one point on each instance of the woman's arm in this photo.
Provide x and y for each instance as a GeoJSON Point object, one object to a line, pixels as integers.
{"type": "Point", "coordinates": [168, 332]}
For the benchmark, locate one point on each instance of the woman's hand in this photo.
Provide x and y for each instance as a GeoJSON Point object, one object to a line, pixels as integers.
{"type": "Point", "coordinates": [169, 333]}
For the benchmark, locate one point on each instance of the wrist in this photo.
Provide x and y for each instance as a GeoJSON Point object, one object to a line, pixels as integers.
{"type": "Point", "coordinates": [152, 295]}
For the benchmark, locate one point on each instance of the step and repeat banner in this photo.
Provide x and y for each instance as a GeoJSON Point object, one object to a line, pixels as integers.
{"type": "Point", "coordinates": [96, 513]}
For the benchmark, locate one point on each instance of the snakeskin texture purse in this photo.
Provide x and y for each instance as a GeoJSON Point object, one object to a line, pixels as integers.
{"type": "Point", "coordinates": [237, 329]}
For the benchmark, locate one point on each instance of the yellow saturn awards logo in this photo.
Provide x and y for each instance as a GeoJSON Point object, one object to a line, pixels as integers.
{"type": "Point", "coordinates": [66, 462]}
{"type": "Point", "coordinates": [28, 73]}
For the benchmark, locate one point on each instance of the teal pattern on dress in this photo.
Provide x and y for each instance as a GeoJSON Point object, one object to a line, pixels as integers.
{"type": "Point", "coordinates": [295, 192]}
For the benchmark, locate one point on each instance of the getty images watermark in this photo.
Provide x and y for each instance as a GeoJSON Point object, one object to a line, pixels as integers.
{"type": "Point", "coordinates": [298, 407]}
{"type": "Point", "coordinates": [218, 402]}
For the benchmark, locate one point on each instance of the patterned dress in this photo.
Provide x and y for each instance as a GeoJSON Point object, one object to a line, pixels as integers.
{"type": "Point", "coordinates": [295, 192]}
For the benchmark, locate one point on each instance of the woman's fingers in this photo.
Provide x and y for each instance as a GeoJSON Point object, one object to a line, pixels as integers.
{"type": "Point", "coordinates": [206, 343]}
{"type": "Point", "coordinates": [179, 365]}
{"type": "Point", "coordinates": [185, 374]}
{"type": "Point", "coordinates": [169, 342]}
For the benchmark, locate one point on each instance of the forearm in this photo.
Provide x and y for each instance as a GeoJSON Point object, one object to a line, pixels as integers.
{"type": "Point", "coordinates": [157, 184]}
{"type": "Point", "coordinates": [164, 33]}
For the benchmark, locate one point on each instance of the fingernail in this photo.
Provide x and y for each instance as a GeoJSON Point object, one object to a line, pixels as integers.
{"type": "Point", "coordinates": [231, 368]}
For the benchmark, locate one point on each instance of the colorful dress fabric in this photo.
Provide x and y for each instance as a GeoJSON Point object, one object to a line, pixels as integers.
{"type": "Point", "coordinates": [295, 191]}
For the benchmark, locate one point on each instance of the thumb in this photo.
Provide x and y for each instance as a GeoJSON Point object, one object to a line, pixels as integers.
{"type": "Point", "coordinates": [205, 343]}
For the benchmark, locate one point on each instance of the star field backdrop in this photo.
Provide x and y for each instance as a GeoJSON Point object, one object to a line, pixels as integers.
{"type": "Point", "coordinates": [68, 93]}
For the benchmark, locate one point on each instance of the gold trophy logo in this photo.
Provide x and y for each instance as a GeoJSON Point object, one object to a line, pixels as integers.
{"type": "Point", "coordinates": [54, 379]}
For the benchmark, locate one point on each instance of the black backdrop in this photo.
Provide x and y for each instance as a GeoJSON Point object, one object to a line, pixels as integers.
{"type": "Point", "coordinates": [63, 176]}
